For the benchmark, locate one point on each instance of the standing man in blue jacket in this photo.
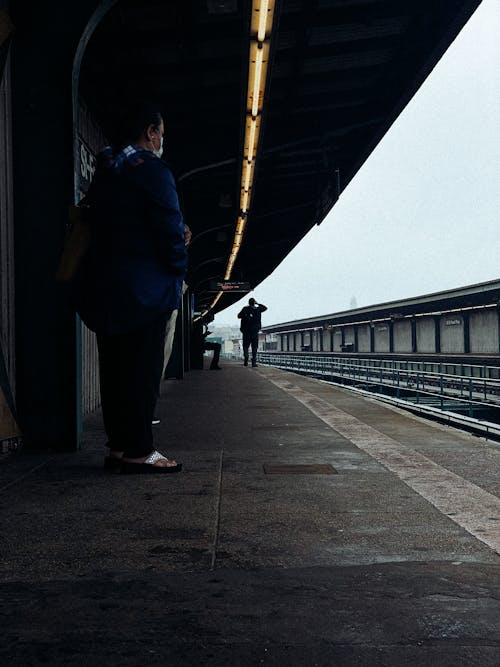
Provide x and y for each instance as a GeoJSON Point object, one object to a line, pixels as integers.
{"type": "Point", "coordinates": [250, 317]}
{"type": "Point", "coordinates": [130, 283]}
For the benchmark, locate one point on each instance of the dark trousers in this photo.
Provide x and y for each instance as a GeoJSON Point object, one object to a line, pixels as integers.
{"type": "Point", "coordinates": [130, 368]}
{"type": "Point", "coordinates": [207, 345]}
{"type": "Point", "coordinates": [253, 340]}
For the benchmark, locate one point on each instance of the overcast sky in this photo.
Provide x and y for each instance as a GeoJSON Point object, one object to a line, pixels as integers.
{"type": "Point", "coordinates": [423, 213]}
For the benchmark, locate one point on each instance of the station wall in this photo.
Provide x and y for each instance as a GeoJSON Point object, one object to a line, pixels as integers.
{"type": "Point", "coordinates": [382, 338]}
{"type": "Point", "coordinates": [451, 333]}
{"type": "Point", "coordinates": [402, 336]}
{"type": "Point", "coordinates": [426, 335]}
{"type": "Point", "coordinates": [484, 332]}
{"type": "Point", "coordinates": [364, 338]}
{"type": "Point", "coordinates": [337, 340]}
{"type": "Point", "coordinates": [349, 336]}
{"type": "Point", "coordinates": [89, 140]}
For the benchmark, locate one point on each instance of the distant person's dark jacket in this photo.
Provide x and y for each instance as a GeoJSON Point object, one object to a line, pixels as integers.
{"type": "Point", "coordinates": [251, 319]}
{"type": "Point", "coordinates": [137, 259]}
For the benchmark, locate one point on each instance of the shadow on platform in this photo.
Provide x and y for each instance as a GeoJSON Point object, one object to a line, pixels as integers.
{"type": "Point", "coordinates": [225, 564]}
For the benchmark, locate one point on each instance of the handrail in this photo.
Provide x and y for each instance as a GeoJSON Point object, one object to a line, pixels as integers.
{"type": "Point", "coordinates": [392, 363]}
{"type": "Point", "coordinates": [469, 389]}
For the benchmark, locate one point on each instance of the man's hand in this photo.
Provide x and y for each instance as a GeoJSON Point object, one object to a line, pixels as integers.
{"type": "Point", "coordinates": [187, 235]}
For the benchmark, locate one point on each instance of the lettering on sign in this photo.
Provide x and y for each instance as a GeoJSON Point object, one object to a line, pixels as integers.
{"type": "Point", "coordinates": [87, 162]}
{"type": "Point", "coordinates": [382, 328]}
{"type": "Point", "coordinates": [226, 286]}
{"type": "Point", "coordinates": [451, 323]}
{"type": "Point", "coordinates": [85, 168]}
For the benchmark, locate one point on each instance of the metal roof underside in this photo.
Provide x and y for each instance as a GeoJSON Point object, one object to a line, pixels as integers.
{"type": "Point", "coordinates": [341, 72]}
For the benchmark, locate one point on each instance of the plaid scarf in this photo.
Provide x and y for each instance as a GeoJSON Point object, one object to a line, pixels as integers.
{"type": "Point", "coordinates": [130, 154]}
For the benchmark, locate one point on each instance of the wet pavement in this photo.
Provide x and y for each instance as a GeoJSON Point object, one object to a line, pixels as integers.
{"type": "Point", "coordinates": [245, 559]}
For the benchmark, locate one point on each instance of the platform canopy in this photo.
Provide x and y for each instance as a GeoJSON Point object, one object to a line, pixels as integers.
{"type": "Point", "coordinates": [333, 76]}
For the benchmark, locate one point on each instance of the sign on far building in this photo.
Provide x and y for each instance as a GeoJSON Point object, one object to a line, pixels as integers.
{"type": "Point", "coordinates": [226, 286]}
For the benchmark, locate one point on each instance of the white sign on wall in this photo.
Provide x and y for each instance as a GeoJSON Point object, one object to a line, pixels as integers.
{"type": "Point", "coordinates": [87, 161]}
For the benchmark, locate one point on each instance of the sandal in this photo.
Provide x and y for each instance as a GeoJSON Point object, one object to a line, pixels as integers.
{"type": "Point", "coordinates": [148, 467]}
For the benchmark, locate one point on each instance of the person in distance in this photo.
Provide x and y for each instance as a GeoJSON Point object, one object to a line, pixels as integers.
{"type": "Point", "coordinates": [250, 317]}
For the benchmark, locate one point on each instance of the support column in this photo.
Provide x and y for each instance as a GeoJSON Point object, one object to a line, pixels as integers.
{"type": "Point", "coordinates": [498, 320]}
{"type": "Point", "coordinates": [437, 334]}
{"type": "Point", "coordinates": [43, 52]}
{"type": "Point", "coordinates": [466, 321]}
{"type": "Point", "coordinates": [413, 335]}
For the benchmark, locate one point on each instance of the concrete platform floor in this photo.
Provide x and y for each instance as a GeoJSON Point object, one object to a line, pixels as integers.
{"type": "Point", "coordinates": [392, 560]}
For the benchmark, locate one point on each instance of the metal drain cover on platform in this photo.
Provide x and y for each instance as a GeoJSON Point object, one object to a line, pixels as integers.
{"type": "Point", "coordinates": [300, 469]}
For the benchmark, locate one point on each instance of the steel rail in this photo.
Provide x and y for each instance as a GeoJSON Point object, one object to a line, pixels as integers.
{"type": "Point", "coordinates": [473, 387]}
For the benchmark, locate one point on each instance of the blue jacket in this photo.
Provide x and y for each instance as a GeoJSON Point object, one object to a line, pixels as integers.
{"type": "Point", "coordinates": [137, 259]}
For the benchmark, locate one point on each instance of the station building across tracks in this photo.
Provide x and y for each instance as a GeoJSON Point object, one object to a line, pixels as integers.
{"type": "Point", "coordinates": [462, 322]}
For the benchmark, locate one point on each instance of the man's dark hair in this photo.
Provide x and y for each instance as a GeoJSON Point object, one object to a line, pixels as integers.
{"type": "Point", "coordinates": [134, 121]}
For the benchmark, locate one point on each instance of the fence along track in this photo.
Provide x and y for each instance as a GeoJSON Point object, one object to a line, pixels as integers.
{"type": "Point", "coordinates": [421, 386]}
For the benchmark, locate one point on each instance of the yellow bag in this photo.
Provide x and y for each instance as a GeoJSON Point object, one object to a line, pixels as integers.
{"type": "Point", "coordinates": [76, 244]}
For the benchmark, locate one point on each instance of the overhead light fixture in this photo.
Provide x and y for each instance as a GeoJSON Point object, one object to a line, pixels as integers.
{"type": "Point", "coordinates": [257, 74]}
{"type": "Point", "coordinates": [217, 297]}
{"type": "Point", "coordinates": [252, 131]}
{"type": "Point", "coordinates": [259, 59]}
{"type": "Point", "coordinates": [262, 20]}
{"type": "Point", "coordinates": [263, 11]}
{"type": "Point", "coordinates": [240, 225]}
{"type": "Point", "coordinates": [260, 37]}
{"type": "Point", "coordinates": [245, 198]}
{"type": "Point", "coordinates": [247, 175]}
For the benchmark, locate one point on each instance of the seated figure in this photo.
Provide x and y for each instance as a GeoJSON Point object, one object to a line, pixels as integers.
{"type": "Point", "coordinates": [200, 344]}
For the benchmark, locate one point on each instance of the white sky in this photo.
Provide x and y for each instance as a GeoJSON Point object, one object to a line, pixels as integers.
{"type": "Point", "coordinates": [422, 214]}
